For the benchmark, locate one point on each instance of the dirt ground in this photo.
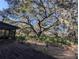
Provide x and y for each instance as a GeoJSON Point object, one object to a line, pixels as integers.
{"type": "Point", "coordinates": [21, 51]}
{"type": "Point", "coordinates": [37, 50]}
{"type": "Point", "coordinates": [66, 52]}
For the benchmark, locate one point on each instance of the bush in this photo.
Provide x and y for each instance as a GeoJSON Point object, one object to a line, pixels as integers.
{"type": "Point", "coordinates": [48, 39]}
{"type": "Point", "coordinates": [21, 38]}
{"type": "Point", "coordinates": [43, 38]}
{"type": "Point", "coordinates": [55, 40]}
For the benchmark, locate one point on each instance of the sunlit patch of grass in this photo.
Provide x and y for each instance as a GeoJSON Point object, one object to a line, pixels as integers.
{"type": "Point", "coordinates": [56, 40]}
{"type": "Point", "coordinates": [21, 38]}
{"type": "Point", "coordinates": [48, 40]}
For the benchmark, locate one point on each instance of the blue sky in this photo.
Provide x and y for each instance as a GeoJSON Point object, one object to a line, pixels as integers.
{"type": "Point", "coordinates": [3, 5]}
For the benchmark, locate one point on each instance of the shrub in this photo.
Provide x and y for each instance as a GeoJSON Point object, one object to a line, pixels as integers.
{"type": "Point", "coordinates": [21, 38]}
{"type": "Point", "coordinates": [55, 40]}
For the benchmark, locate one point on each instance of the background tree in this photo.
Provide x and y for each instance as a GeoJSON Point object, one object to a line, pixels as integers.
{"type": "Point", "coordinates": [44, 15]}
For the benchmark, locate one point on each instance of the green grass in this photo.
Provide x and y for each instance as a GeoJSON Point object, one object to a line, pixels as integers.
{"type": "Point", "coordinates": [48, 39]}
{"type": "Point", "coordinates": [20, 38]}
{"type": "Point", "coordinates": [56, 40]}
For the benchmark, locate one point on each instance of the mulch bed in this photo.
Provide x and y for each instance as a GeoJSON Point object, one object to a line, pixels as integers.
{"type": "Point", "coordinates": [21, 51]}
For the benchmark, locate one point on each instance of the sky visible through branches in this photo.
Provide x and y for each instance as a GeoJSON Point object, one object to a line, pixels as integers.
{"type": "Point", "coordinates": [3, 5]}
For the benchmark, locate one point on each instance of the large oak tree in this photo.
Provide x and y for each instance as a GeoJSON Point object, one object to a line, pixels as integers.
{"type": "Point", "coordinates": [44, 15]}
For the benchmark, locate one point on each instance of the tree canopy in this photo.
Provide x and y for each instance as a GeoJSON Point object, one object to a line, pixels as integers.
{"type": "Point", "coordinates": [44, 15]}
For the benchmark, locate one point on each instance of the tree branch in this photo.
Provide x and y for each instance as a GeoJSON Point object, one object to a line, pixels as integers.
{"type": "Point", "coordinates": [55, 24]}
{"type": "Point", "coordinates": [19, 22]}
{"type": "Point", "coordinates": [46, 17]}
{"type": "Point", "coordinates": [41, 4]}
{"type": "Point", "coordinates": [32, 26]}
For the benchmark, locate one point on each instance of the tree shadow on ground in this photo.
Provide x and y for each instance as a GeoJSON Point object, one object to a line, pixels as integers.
{"type": "Point", "coordinates": [17, 50]}
{"type": "Point", "coordinates": [55, 51]}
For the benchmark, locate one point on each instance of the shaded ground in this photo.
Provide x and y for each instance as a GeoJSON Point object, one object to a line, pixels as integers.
{"type": "Point", "coordinates": [66, 52]}
{"type": "Point", "coordinates": [21, 51]}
